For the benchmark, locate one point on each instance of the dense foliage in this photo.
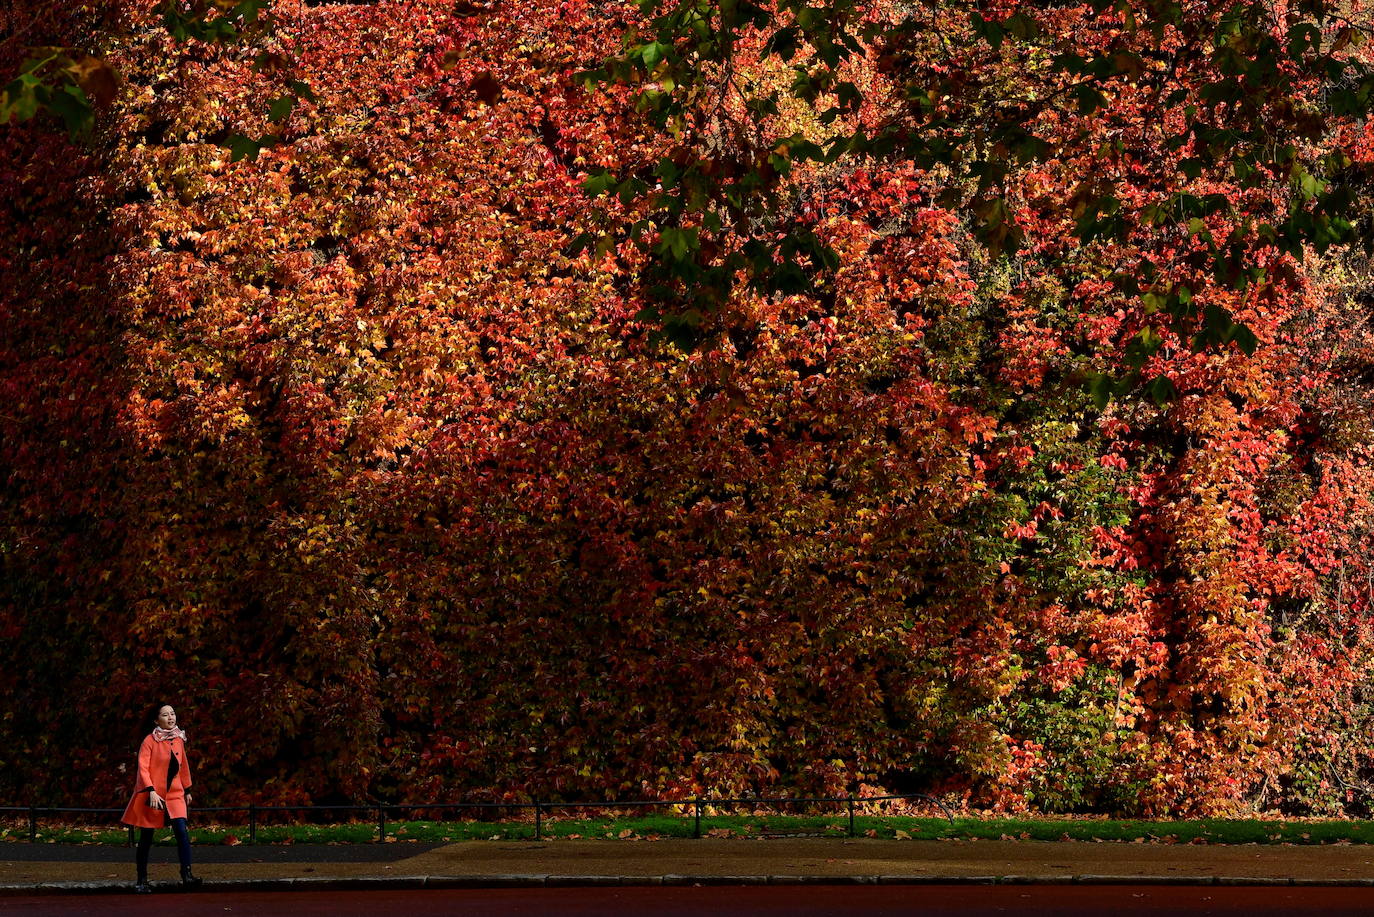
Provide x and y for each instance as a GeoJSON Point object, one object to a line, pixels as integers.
{"type": "Point", "coordinates": [350, 452]}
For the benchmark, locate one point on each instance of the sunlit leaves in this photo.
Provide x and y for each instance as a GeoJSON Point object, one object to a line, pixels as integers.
{"type": "Point", "coordinates": [1248, 112]}
{"type": "Point", "coordinates": [479, 422]}
{"type": "Point", "coordinates": [74, 88]}
{"type": "Point", "coordinates": [215, 21]}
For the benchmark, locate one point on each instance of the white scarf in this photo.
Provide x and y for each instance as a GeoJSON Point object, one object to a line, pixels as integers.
{"type": "Point", "coordinates": [166, 735]}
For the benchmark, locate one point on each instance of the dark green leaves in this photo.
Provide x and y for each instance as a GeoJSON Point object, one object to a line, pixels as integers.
{"type": "Point", "coordinates": [1142, 347]}
{"type": "Point", "coordinates": [280, 108]}
{"type": "Point", "coordinates": [27, 93]}
{"type": "Point", "coordinates": [599, 182]}
{"type": "Point", "coordinates": [650, 54]}
{"type": "Point", "coordinates": [241, 147]}
{"type": "Point", "coordinates": [677, 243]}
{"type": "Point", "coordinates": [210, 22]}
{"type": "Point", "coordinates": [69, 88]}
{"type": "Point", "coordinates": [1161, 390]}
{"type": "Point", "coordinates": [1219, 328]}
{"type": "Point", "coordinates": [1304, 37]}
{"type": "Point", "coordinates": [783, 43]}
{"type": "Point", "coordinates": [1021, 26]}
{"type": "Point", "coordinates": [70, 104]}
{"type": "Point", "coordinates": [1243, 119]}
{"type": "Point", "coordinates": [72, 89]}
{"type": "Point", "coordinates": [1104, 387]}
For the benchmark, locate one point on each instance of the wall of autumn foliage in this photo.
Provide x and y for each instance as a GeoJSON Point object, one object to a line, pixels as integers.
{"type": "Point", "coordinates": [341, 452]}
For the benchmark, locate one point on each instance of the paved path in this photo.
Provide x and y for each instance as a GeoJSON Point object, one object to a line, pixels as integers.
{"type": "Point", "coordinates": [685, 862]}
{"type": "Point", "coordinates": [795, 901]}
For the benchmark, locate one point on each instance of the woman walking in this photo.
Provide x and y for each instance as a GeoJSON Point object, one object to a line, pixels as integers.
{"type": "Point", "coordinates": [160, 794]}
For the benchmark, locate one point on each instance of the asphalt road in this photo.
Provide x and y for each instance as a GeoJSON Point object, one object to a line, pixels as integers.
{"type": "Point", "coordinates": [799, 901]}
{"type": "Point", "coordinates": [35, 864]}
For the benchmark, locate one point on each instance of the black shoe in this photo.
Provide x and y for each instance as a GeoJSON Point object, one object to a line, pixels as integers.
{"type": "Point", "coordinates": [141, 887]}
{"type": "Point", "coordinates": [188, 880]}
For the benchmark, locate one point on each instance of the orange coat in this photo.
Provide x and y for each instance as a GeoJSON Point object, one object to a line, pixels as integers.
{"type": "Point", "coordinates": [153, 760]}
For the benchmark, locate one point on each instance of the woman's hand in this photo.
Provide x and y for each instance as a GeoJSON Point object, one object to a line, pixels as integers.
{"type": "Point", "coordinates": [188, 799]}
{"type": "Point", "coordinates": [155, 800]}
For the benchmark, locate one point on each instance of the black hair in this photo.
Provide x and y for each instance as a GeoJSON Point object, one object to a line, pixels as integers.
{"type": "Point", "coordinates": [150, 720]}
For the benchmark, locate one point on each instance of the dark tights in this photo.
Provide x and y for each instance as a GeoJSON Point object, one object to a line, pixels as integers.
{"type": "Point", "coordinates": [145, 842]}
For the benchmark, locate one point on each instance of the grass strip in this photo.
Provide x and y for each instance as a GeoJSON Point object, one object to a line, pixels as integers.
{"type": "Point", "coordinates": [1210, 831]}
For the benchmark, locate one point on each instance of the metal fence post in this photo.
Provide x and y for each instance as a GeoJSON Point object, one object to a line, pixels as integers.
{"type": "Point", "coordinates": [33, 824]}
{"type": "Point", "coordinates": [696, 827]}
{"type": "Point", "coordinates": [538, 820]}
{"type": "Point", "coordinates": [252, 823]}
{"type": "Point", "coordinates": [381, 823]}
{"type": "Point", "coordinates": [851, 814]}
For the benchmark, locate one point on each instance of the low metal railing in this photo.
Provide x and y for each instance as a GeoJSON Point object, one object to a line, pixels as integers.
{"type": "Point", "coordinates": [540, 807]}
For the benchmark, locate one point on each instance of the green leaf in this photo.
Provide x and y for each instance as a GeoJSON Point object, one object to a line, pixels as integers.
{"type": "Point", "coordinates": [71, 105]}
{"type": "Point", "coordinates": [991, 32]}
{"type": "Point", "coordinates": [33, 64]}
{"type": "Point", "coordinates": [783, 43]}
{"type": "Point", "coordinates": [1303, 37]}
{"type": "Point", "coordinates": [1162, 390]}
{"type": "Point", "coordinates": [1245, 339]}
{"type": "Point", "coordinates": [1100, 388]}
{"type": "Point", "coordinates": [1309, 185]}
{"type": "Point", "coordinates": [241, 147]}
{"type": "Point", "coordinates": [1153, 215]}
{"type": "Point", "coordinates": [280, 108]}
{"type": "Point", "coordinates": [678, 242]}
{"type": "Point", "coordinates": [1192, 166]}
{"type": "Point", "coordinates": [652, 53]}
{"type": "Point", "coordinates": [18, 101]}
{"type": "Point", "coordinates": [1217, 324]}
{"type": "Point", "coordinates": [630, 189]}
{"type": "Point", "coordinates": [1089, 99]}
{"type": "Point", "coordinates": [598, 183]}
{"type": "Point", "coordinates": [302, 90]}
{"type": "Point", "coordinates": [249, 10]}
{"type": "Point", "coordinates": [1142, 347]}
{"type": "Point", "coordinates": [1023, 26]}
